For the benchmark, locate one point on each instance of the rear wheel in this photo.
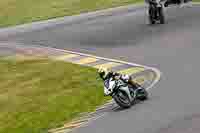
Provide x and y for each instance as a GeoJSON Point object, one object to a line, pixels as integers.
{"type": "Point", "coordinates": [166, 4]}
{"type": "Point", "coordinates": [143, 95]}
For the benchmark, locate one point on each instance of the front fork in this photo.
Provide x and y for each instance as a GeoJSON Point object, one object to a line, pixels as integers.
{"type": "Point", "coordinates": [128, 92]}
{"type": "Point", "coordinates": [154, 10]}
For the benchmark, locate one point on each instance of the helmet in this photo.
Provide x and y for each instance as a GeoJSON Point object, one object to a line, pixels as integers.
{"type": "Point", "coordinates": [125, 77]}
{"type": "Point", "coordinates": [103, 72]}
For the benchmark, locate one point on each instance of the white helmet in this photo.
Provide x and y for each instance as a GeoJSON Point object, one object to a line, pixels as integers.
{"type": "Point", "coordinates": [103, 72]}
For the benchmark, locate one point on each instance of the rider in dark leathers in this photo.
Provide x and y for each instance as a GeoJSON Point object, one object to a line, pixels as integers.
{"type": "Point", "coordinates": [176, 2]}
{"type": "Point", "coordinates": [168, 2]}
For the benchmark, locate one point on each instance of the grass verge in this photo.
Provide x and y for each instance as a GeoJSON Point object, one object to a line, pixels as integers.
{"type": "Point", "coordinates": [39, 94]}
{"type": "Point", "coordinates": [14, 12]}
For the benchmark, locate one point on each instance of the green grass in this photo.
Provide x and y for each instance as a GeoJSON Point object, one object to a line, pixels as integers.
{"type": "Point", "coordinates": [36, 95]}
{"type": "Point", "coordinates": [14, 12]}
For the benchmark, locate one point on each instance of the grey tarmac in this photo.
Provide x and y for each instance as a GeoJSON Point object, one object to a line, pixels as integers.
{"type": "Point", "coordinates": [173, 48]}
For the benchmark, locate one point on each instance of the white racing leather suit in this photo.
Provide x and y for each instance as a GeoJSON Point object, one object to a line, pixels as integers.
{"type": "Point", "coordinates": [125, 78]}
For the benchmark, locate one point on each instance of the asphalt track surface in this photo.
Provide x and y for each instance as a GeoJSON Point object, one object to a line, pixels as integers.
{"type": "Point", "coordinates": [173, 48]}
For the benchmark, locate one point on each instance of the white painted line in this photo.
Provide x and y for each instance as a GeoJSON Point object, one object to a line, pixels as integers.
{"type": "Point", "coordinates": [158, 72]}
{"type": "Point", "coordinates": [90, 120]}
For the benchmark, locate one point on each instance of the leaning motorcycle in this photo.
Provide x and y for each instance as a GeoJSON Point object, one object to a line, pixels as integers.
{"type": "Point", "coordinates": [122, 93]}
{"type": "Point", "coordinates": [155, 12]}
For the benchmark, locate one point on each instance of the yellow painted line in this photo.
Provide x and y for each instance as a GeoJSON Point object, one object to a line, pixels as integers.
{"type": "Point", "coordinates": [73, 125]}
{"type": "Point", "coordinates": [132, 70]}
{"type": "Point", "coordinates": [65, 128]}
{"type": "Point", "coordinates": [140, 80]}
{"type": "Point", "coordinates": [67, 56]}
{"type": "Point", "coordinates": [143, 78]}
{"type": "Point", "coordinates": [61, 130]}
{"type": "Point", "coordinates": [108, 65]}
{"type": "Point", "coordinates": [87, 60]}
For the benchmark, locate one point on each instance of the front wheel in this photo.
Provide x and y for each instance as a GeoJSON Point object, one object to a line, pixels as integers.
{"type": "Point", "coordinates": [151, 15]}
{"type": "Point", "coordinates": [161, 16]}
{"type": "Point", "coordinates": [122, 99]}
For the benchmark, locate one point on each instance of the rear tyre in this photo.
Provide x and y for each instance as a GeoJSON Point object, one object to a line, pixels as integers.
{"type": "Point", "coordinates": [166, 4]}
{"type": "Point", "coordinates": [143, 95]}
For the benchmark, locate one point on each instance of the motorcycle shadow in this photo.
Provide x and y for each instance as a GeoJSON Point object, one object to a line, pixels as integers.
{"type": "Point", "coordinates": [157, 24]}
{"type": "Point", "coordinates": [137, 102]}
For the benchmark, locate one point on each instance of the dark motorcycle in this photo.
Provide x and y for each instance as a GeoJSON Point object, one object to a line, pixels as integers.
{"type": "Point", "coordinates": [175, 2]}
{"type": "Point", "coordinates": [156, 12]}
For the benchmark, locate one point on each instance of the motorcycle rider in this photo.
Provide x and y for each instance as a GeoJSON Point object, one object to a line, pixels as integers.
{"type": "Point", "coordinates": [176, 2]}
{"type": "Point", "coordinates": [105, 74]}
{"type": "Point", "coordinates": [168, 2]}
{"type": "Point", "coordinates": [149, 2]}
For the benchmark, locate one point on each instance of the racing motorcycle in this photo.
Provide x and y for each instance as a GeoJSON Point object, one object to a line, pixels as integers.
{"type": "Point", "coordinates": [175, 2]}
{"type": "Point", "coordinates": [155, 12]}
{"type": "Point", "coordinates": [123, 93]}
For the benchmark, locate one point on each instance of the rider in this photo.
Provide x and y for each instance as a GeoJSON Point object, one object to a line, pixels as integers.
{"type": "Point", "coordinates": [105, 74]}
{"type": "Point", "coordinates": [177, 2]}
{"type": "Point", "coordinates": [168, 2]}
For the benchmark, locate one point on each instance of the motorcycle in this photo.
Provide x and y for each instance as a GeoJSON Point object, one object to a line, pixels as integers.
{"type": "Point", "coordinates": [123, 93]}
{"type": "Point", "coordinates": [175, 2]}
{"type": "Point", "coordinates": [155, 12]}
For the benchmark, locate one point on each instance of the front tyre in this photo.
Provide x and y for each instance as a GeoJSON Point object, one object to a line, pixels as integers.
{"type": "Point", "coordinates": [151, 20]}
{"type": "Point", "coordinates": [161, 15]}
{"type": "Point", "coordinates": [122, 99]}
{"type": "Point", "coordinates": [150, 16]}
